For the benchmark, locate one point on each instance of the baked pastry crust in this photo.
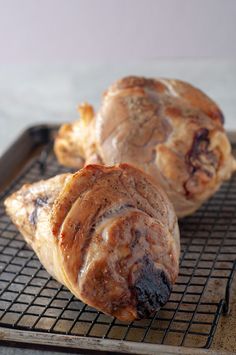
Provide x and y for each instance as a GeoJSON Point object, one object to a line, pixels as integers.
{"type": "Point", "coordinates": [109, 234]}
{"type": "Point", "coordinates": [169, 129]}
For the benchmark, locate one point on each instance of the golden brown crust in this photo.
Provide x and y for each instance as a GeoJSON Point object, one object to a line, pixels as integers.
{"type": "Point", "coordinates": [109, 234]}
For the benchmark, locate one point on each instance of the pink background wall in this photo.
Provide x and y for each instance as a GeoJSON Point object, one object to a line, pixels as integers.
{"type": "Point", "coordinates": [33, 31]}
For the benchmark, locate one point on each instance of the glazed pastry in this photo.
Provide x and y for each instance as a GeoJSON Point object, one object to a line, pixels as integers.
{"type": "Point", "coordinates": [109, 234]}
{"type": "Point", "coordinates": [167, 128]}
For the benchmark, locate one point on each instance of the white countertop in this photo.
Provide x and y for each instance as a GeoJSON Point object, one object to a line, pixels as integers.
{"type": "Point", "coordinates": [47, 94]}
{"type": "Point", "coordinates": [43, 94]}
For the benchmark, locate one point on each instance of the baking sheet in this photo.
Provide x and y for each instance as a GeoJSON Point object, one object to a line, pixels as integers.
{"type": "Point", "coordinates": [34, 308]}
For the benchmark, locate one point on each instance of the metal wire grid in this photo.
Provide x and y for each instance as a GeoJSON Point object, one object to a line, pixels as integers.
{"type": "Point", "coordinates": [31, 300]}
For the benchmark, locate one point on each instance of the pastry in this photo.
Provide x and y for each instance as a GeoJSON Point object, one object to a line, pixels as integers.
{"type": "Point", "coordinates": [109, 234]}
{"type": "Point", "coordinates": [167, 128]}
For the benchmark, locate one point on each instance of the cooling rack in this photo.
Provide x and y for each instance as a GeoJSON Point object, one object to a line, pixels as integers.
{"type": "Point", "coordinates": [35, 308]}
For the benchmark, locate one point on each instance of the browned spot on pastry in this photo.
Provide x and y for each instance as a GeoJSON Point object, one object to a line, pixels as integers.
{"type": "Point", "coordinates": [173, 111]}
{"type": "Point", "coordinates": [151, 288]}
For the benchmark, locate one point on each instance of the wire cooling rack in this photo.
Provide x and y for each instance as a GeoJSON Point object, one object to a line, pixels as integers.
{"type": "Point", "coordinates": [31, 300]}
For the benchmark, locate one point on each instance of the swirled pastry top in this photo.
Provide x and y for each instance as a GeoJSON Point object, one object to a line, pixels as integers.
{"type": "Point", "coordinates": [169, 129]}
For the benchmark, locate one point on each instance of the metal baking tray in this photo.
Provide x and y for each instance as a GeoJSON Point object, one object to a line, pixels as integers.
{"type": "Point", "coordinates": [199, 318]}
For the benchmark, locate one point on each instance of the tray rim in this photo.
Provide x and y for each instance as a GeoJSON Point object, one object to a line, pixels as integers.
{"type": "Point", "coordinates": [72, 342]}
{"type": "Point", "coordinates": [67, 342]}
{"type": "Point", "coordinates": [27, 140]}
